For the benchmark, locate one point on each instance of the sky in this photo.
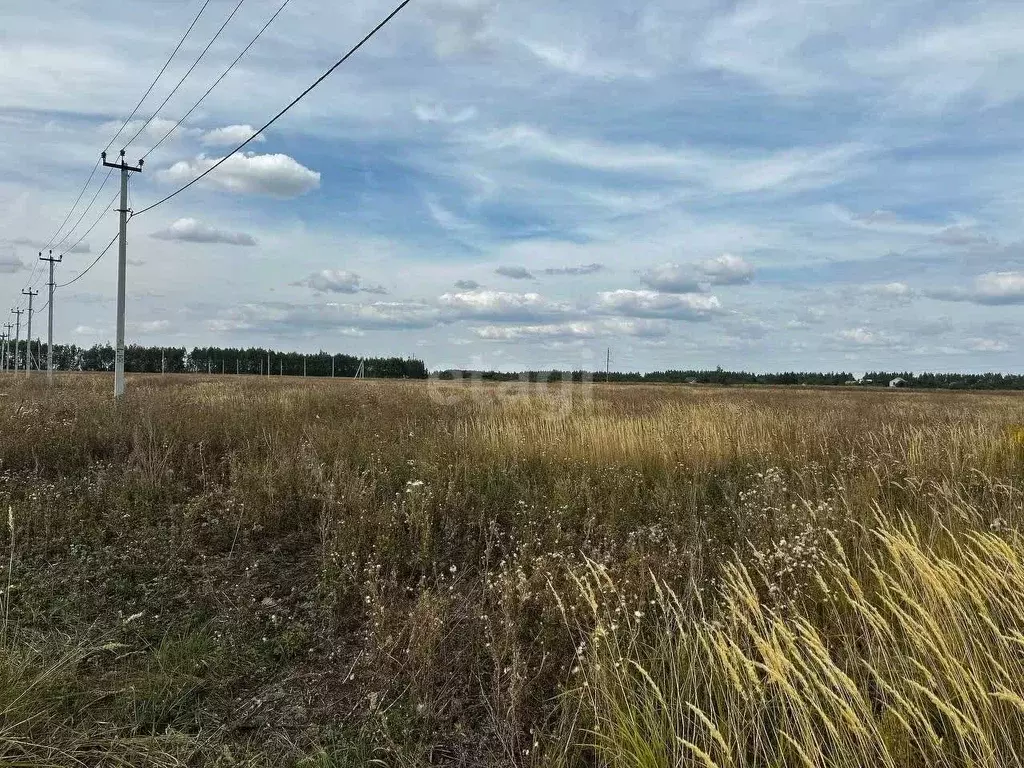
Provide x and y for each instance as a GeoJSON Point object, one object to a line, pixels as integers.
{"type": "Point", "coordinates": [763, 185]}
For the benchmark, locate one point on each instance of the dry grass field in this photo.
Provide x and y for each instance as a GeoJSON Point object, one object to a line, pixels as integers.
{"type": "Point", "coordinates": [264, 572]}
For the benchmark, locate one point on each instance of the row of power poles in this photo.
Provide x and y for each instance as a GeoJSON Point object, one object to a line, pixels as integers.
{"type": "Point", "coordinates": [6, 337]}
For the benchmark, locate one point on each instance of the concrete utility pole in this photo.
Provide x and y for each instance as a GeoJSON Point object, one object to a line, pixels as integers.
{"type": "Point", "coordinates": [268, 363]}
{"type": "Point", "coordinates": [608, 365]}
{"type": "Point", "coordinates": [280, 366]}
{"type": "Point", "coordinates": [236, 366]}
{"type": "Point", "coordinates": [122, 260]}
{"type": "Point", "coordinates": [222, 366]}
{"type": "Point", "coordinates": [7, 346]}
{"type": "Point", "coordinates": [3, 351]}
{"type": "Point", "coordinates": [17, 335]}
{"type": "Point", "coordinates": [49, 327]}
{"type": "Point", "coordinates": [303, 366]}
{"type": "Point", "coordinates": [28, 343]}
{"type": "Point", "coordinates": [332, 366]}
{"type": "Point", "coordinates": [162, 368]}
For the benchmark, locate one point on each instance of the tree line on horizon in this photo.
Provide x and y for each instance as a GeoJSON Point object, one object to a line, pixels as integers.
{"type": "Point", "coordinates": [723, 377]}
{"type": "Point", "coordinates": [250, 361]}
{"type": "Point", "coordinates": [253, 361]}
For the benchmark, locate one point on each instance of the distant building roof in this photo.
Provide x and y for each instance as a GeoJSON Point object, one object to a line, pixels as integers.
{"type": "Point", "coordinates": [898, 382]}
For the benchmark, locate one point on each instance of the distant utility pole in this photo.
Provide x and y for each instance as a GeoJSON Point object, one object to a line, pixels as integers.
{"type": "Point", "coordinates": [28, 346]}
{"type": "Point", "coordinates": [17, 335]}
{"type": "Point", "coordinates": [122, 260]}
{"type": "Point", "coordinates": [209, 368]}
{"type": "Point", "coordinates": [236, 366]}
{"type": "Point", "coordinates": [162, 368]}
{"type": "Point", "coordinates": [3, 351]}
{"type": "Point", "coordinates": [268, 363]}
{"type": "Point", "coordinates": [608, 365]}
{"type": "Point", "coordinates": [280, 366]}
{"type": "Point", "coordinates": [222, 366]}
{"type": "Point", "coordinates": [303, 366]}
{"type": "Point", "coordinates": [332, 366]}
{"type": "Point", "coordinates": [7, 346]}
{"type": "Point", "coordinates": [49, 327]}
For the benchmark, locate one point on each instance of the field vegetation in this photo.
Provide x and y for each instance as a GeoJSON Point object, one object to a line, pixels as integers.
{"type": "Point", "coordinates": [241, 571]}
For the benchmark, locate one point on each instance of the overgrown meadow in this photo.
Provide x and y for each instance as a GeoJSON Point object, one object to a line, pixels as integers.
{"type": "Point", "coordinates": [240, 571]}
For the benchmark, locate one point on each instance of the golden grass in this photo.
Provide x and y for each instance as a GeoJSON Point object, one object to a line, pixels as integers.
{"type": "Point", "coordinates": [510, 575]}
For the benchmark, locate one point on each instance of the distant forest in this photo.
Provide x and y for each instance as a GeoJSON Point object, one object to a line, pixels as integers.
{"type": "Point", "coordinates": [139, 359]}
{"type": "Point", "coordinates": [738, 378]}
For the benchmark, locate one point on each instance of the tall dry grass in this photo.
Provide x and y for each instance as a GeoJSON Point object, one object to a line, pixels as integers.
{"type": "Point", "coordinates": [427, 573]}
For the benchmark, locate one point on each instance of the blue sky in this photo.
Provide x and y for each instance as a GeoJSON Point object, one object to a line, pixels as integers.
{"type": "Point", "coordinates": [775, 184]}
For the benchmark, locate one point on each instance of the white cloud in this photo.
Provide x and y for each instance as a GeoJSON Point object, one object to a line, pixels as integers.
{"type": "Point", "coordinates": [536, 332]}
{"type": "Point", "coordinates": [229, 136]}
{"type": "Point", "coordinates": [895, 291]}
{"type": "Point", "coordinates": [683, 306]}
{"type": "Point", "coordinates": [500, 305]}
{"type": "Point", "coordinates": [991, 288]}
{"type": "Point", "coordinates": [337, 281]}
{"type": "Point", "coordinates": [730, 173]}
{"type": "Point", "coordinates": [726, 270]}
{"type": "Point", "coordinates": [194, 231]}
{"type": "Point", "coordinates": [672, 278]}
{"type": "Point", "coordinates": [248, 173]}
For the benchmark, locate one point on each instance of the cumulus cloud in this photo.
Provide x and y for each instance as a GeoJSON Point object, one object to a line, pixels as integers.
{"type": "Point", "coordinates": [229, 136]}
{"type": "Point", "coordinates": [582, 269]}
{"type": "Point", "coordinates": [864, 337]}
{"type": "Point", "coordinates": [991, 288]}
{"type": "Point", "coordinates": [682, 306]}
{"type": "Point", "coordinates": [695, 278]}
{"type": "Point", "coordinates": [672, 278]}
{"type": "Point", "coordinates": [726, 270]}
{"type": "Point", "coordinates": [500, 305]}
{"type": "Point", "coordinates": [467, 285]}
{"type": "Point", "coordinates": [514, 273]}
{"type": "Point", "coordinates": [193, 231]}
{"type": "Point", "coordinates": [248, 173]}
{"type": "Point", "coordinates": [337, 281]}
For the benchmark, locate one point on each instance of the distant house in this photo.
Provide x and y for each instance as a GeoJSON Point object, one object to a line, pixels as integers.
{"type": "Point", "coordinates": [851, 382]}
{"type": "Point", "coordinates": [898, 382]}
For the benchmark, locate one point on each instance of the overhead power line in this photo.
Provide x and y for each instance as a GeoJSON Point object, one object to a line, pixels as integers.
{"type": "Point", "coordinates": [84, 213]}
{"type": "Point", "coordinates": [276, 117]}
{"type": "Point", "coordinates": [86, 270]}
{"type": "Point", "coordinates": [158, 75]}
{"type": "Point", "coordinates": [217, 81]}
{"type": "Point", "coordinates": [187, 73]}
{"type": "Point", "coordinates": [92, 226]}
{"type": "Point", "coordinates": [73, 206]}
